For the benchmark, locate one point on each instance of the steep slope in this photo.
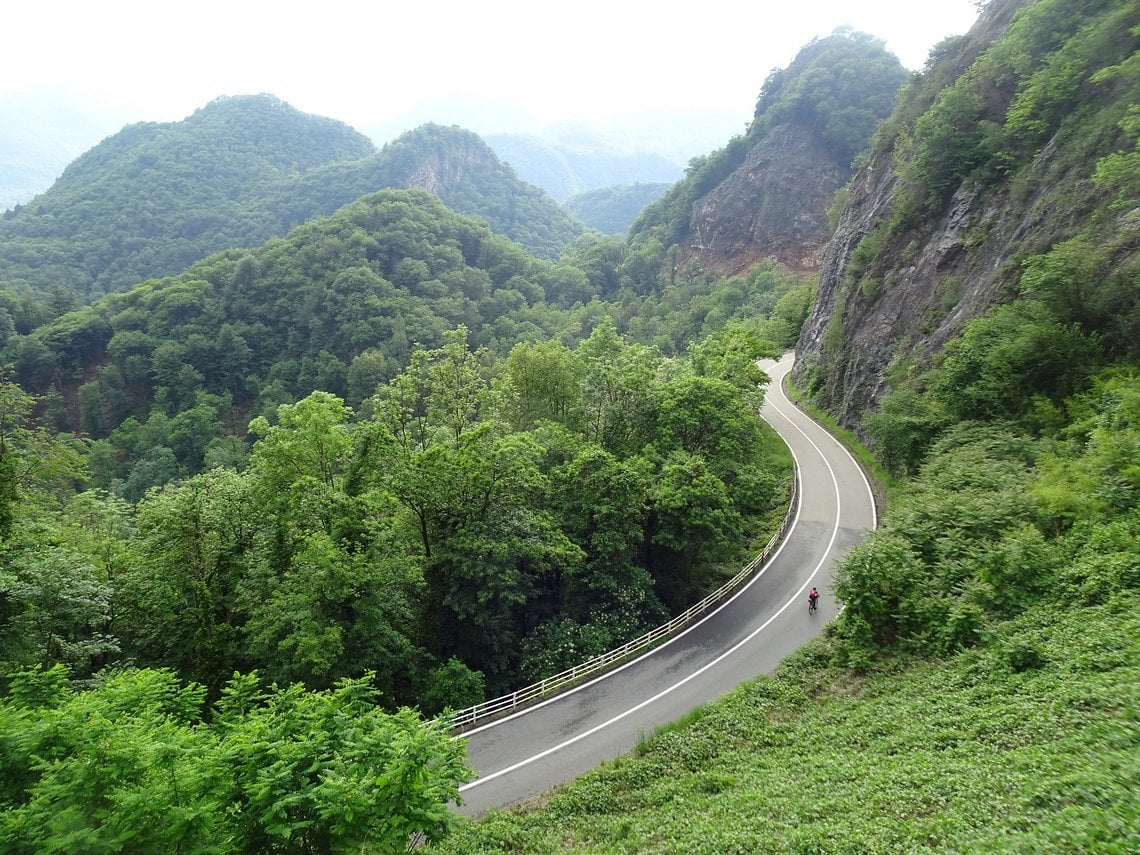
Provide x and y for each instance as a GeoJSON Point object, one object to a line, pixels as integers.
{"type": "Point", "coordinates": [774, 205]}
{"type": "Point", "coordinates": [1013, 144]}
{"type": "Point", "coordinates": [154, 198]}
{"type": "Point", "coordinates": [767, 193]}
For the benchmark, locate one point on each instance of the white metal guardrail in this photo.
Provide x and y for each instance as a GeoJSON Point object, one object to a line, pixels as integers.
{"type": "Point", "coordinates": [468, 718]}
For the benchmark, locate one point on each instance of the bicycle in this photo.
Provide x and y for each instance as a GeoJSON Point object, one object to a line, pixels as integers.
{"type": "Point", "coordinates": [812, 605]}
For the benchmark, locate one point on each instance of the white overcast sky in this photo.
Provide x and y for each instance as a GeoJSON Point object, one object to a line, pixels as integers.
{"type": "Point", "coordinates": [371, 61]}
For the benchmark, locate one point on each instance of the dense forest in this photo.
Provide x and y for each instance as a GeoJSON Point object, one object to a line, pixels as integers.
{"type": "Point", "coordinates": [263, 514]}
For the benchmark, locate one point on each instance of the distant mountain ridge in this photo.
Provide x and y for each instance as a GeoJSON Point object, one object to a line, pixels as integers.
{"type": "Point", "coordinates": [41, 132]}
{"type": "Point", "coordinates": [610, 210]}
{"type": "Point", "coordinates": [154, 198]}
{"type": "Point", "coordinates": [564, 170]}
{"type": "Point", "coordinates": [573, 156]}
{"type": "Point", "coordinates": [460, 168]}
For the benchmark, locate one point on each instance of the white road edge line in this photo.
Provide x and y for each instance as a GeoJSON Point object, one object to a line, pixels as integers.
{"type": "Point", "coordinates": [846, 451]}
{"type": "Point", "coordinates": [585, 734]}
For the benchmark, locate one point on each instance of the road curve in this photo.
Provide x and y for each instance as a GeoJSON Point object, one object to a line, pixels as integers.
{"type": "Point", "coordinates": [556, 741]}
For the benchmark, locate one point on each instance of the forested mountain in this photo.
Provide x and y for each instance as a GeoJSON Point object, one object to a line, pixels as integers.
{"type": "Point", "coordinates": [767, 193]}
{"type": "Point", "coordinates": [458, 167]}
{"type": "Point", "coordinates": [154, 198]}
{"type": "Point", "coordinates": [611, 209]}
{"type": "Point", "coordinates": [336, 305]}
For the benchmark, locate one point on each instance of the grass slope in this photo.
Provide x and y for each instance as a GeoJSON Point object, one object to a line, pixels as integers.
{"type": "Point", "coordinates": [970, 754]}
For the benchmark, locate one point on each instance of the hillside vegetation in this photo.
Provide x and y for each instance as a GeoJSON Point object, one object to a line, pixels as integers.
{"type": "Point", "coordinates": [611, 210]}
{"type": "Point", "coordinates": [161, 375]}
{"type": "Point", "coordinates": [154, 198]}
{"type": "Point", "coordinates": [1006, 171]}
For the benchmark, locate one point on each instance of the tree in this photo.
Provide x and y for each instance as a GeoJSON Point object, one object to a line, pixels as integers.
{"type": "Point", "coordinates": [299, 464]}
{"type": "Point", "coordinates": [707, 418]}
{"type": "Point", "coordinates": [179, 605]}
{"type": "Point", "coordinates": [602, 504]}
{"type": "Point", "coordinates": [731, 354]}
{"type": "Point", "coordinates": [693, 524]}
{"type": "Point", "coordinates": [619, 382]}
{"type": "Point", "coordinates": [599, 257]}
{"type": "Point", "coordinates": [903, 428]}
{"type": "Point", "coordinates": [541, 382]}
{"type": "Point", "coordinates": [1005, 358]}
{"type": "Point", "coordinates": [334, 613]}
{"type": "Point", "coordinates": [38, 467]}
{"type": "Point", "coordinates": [140, 764]}
{"type": "Point", "coordinates": [453, 384]}
{"type": "Point", "coordinates": [62, 610]}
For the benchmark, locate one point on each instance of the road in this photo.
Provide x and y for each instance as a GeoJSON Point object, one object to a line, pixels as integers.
{"type": "Point", "coordinates": [556, 741]}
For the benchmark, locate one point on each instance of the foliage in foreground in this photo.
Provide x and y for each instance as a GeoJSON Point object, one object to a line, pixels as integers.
{"type": "Point", "coordinates": [139, 764]}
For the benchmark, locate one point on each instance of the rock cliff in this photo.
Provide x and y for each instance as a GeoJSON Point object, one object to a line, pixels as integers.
{"type": "Point", "coordinates": [773, 206]}
{"type": "Point", "coordinates": [767, 194]}
{"type": "Point", "coordinates": [895, 302]}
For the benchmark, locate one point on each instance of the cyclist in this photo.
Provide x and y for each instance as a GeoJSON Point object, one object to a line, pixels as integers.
{"type": "Point", "coordinates": [813, 598]}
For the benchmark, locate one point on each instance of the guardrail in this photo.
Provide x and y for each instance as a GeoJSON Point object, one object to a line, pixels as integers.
{"type": "Point", "coordinates": [467, 718]}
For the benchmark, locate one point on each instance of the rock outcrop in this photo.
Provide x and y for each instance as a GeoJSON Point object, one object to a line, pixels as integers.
{"type": "Point", "coordinates": [774, 206]}
{"type": "Point", "coordinates": [767, 194]}
{"type": "Point", "coordinates": [930, 277]}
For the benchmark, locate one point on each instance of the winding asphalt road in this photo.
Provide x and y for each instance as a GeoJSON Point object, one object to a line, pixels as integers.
{"type": "Point", "coordinates": [554, 742]}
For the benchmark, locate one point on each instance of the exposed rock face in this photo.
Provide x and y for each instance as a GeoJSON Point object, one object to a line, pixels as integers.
{"type": "Point", "coordinates": [446, 161]}
{"type": "Point", "coordinates": [962, 265]}
{"type": "Point", "coordinates": [442, 172]}
{"type": "Point", "coordinates": [773, 207]}
{"type": "Point", "coordinates": [950, 270]}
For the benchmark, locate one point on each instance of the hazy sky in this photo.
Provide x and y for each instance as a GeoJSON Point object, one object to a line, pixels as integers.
{"type": "Point", "coordinates": [369, 62]}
